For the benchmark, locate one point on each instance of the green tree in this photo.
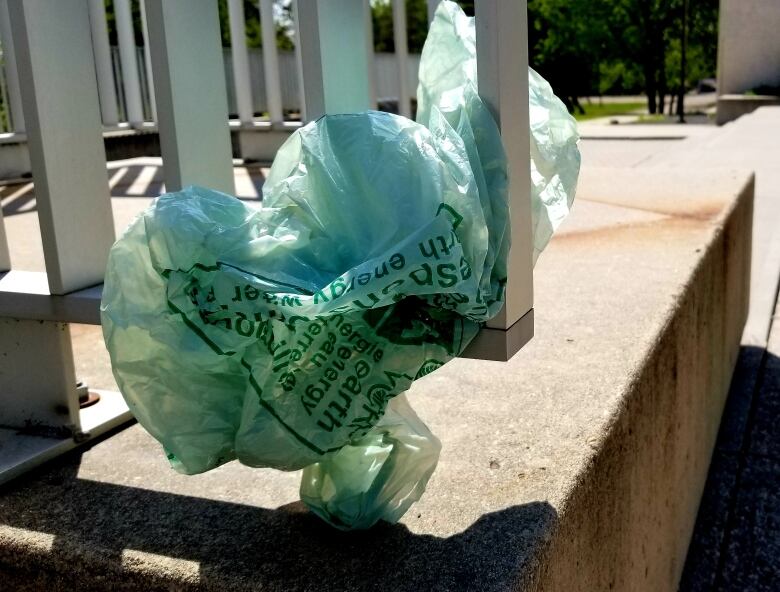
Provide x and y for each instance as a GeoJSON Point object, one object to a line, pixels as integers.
{"type": "Point", "coordinates": [416, 25]}
{"type": "Point", "coordinates": [567, 41]}
{"type": "Point", "coordinates": [254, 36]}
{"type": "Point", "coordinates": [582, 47]}
{"type": "Point", "coordinates": [573, 43]}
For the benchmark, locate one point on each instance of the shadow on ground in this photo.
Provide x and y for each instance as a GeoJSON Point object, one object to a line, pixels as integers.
{"type": "Point", "coordinates": [129, 181]}
{"type": "Point", "coordinates": [238, 546]}
{"type": "Point", "coordinates": [736, 542]}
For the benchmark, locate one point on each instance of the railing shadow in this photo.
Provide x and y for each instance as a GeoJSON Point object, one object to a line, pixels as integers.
{"type": "Point", "coordinates": [17, 199]}
{"type": "Point", "coordinates": [236, 545]}
{"type": "Point", "coordinates": [133, 181]}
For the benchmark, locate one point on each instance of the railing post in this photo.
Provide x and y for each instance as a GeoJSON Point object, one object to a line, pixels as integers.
{"type": "Point", "coordinates": [192, 110]}
{"type": "Point", "coordinates": [370, 54]}
{"type": "Point", "coordinates": [432, 5]}
{"type": "Point", "coordinates": [105, 72]}
{"type": "Point", "coordinates": [240, 59]}
{"type": "Point", "coordinates": [61, 106]}
{"type": "Point", "coordinates": [11, 70]}
{"type": "Point", "coordinates": [334, 64]}
{"type": "Point", "coordinates": [502, 63]}
{"type": "Point", "coordinates": [148, 62]}
{"type": "Point", "coordinates": [5, 257]}
{"type": "Point", "coordinates": [273, 83]}
{"type": "Point", "coordinates": [401, 56]}
{"type": "Point", "coordinates": [129, 61]}
{"type": "Point", "coordinates": [64, 135]}
{"type": "Point", "coordinates": [299, 61]}
{"type": "Point", "coordinates": [6, 125]}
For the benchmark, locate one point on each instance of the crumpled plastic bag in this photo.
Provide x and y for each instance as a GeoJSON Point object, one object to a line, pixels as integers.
{"type": "Point", "coordinates": [283, 336]}
{"type": "Point", "coordinates": [378, 477]}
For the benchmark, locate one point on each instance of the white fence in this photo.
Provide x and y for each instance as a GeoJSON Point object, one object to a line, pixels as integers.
{"type": "Point", "coordinates": [385, 81]}
{"type": "Point", "coordinates": [387, 85]}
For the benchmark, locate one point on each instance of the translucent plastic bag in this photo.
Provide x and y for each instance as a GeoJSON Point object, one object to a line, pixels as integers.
{"type": "Point", "coordinates": [278, 336]}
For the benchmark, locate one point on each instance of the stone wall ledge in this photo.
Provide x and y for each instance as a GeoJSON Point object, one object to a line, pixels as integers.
{"type": "Point", "coordinates": [578, 465]}
{"type": "Point", "coordinates": [732, 107]}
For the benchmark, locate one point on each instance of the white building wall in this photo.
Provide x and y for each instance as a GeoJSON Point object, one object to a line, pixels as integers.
{"type": "Point", "coordinates": [748, 45]}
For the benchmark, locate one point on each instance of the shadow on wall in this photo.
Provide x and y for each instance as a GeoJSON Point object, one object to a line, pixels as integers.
{"type": "Point", "coordinates": [238, 545]}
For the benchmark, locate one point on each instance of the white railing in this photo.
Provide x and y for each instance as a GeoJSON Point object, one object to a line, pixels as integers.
{"type": "Point", "coordinates": [258, 82]}
{"type": "Point", "coordinates": [67, 96]}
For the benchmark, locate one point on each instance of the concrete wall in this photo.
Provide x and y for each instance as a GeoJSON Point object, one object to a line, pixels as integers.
{"type": "Point", "coordinates": [731, 107]}
{"type": "Point", "coordinates": [748, 45]}
{"type": "Point", "coordinates": [627, 525]}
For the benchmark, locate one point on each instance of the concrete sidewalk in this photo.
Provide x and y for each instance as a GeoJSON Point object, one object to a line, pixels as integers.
{"type": "Point", "coordinates": [753, 143]}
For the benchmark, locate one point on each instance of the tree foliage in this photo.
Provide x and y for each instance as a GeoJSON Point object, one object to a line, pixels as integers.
{"type": "Point", "coordinates": [587, 47]}
{"type": "Point", "coordinates": [254, 35]}
{"type": "Point", "coordinates": [594, 47]}
{"type": "Point", "coordinates": [416, 23]}
{"type": "Point", "coordinates": [583, 47]}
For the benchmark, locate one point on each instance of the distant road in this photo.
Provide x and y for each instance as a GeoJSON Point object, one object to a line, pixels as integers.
{"type": "Point", "coordinates": [691, 99]}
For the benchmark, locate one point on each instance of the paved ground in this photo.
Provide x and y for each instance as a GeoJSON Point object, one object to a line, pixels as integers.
{"type": "Point", "coordinates": [736, 544]}
{"type": "Point", "coordinates": [692, 100]}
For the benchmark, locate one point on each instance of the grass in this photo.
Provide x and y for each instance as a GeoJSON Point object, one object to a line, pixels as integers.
{"type": "Point", "coordinates": [594, 110]}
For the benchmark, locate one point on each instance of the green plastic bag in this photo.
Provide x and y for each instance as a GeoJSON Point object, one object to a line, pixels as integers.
{"type": "Point", "coordinates": [283, 336]}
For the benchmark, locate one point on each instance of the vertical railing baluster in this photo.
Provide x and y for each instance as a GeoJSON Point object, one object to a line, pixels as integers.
{"type": "Point", "coordinates": [273, 83]}
{"type": "Point", "coordinates": [8, 56]}
{"type": "Point", "coordinates": [105, 75]}
{"type": "Point", "coordinates": [5, 256]}
{"type": "Point", "coordinates": [129, 61]}
{"type": "Point", "coordinates": [370, 54]}
{"type": "Point", "coordinates": [299, 61]}
{"type": "Point", "coordinates": [148, 62]}
{"type": "Point", "coordinates": [192, 109]}
{"type": "Point", "coordinates": [402, 57]}
{"type": "Point", "coordinates": [11, 71]}
{"type": "Point", "coordinates": [5, 121]}
{"type": "Point", "coordinates": [64, 135]}
{"type": "Point", "coordinates": [240, 59]}
{"type": "Point", "coordinates": [502, 63]}
{"type": "Point", "coordinates": [334, 64]}
{"type": "Point", "coordinates": [432, 5]}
